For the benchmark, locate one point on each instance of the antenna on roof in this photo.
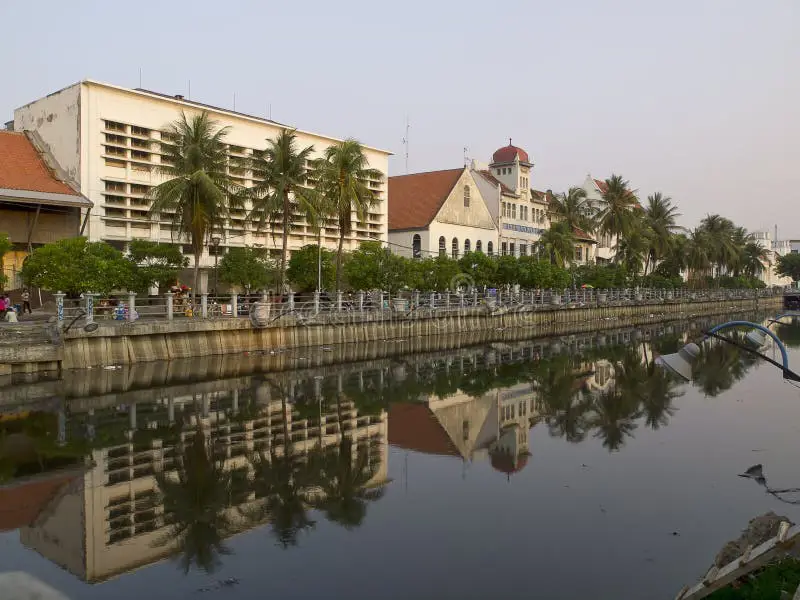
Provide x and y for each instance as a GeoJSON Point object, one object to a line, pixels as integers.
{"type": "Point", "coordinates": [466, 157]}
{"type": "Point", "coordinates": [269, 111]}
{"type": "Point", "coordinates": [405, 141]}
{"type": "Point", "coordinates": [234, 100]}
{"type": "Point", "coordinates": [189, 94]}
{"type": "Point", "coordinates": [140, 77]}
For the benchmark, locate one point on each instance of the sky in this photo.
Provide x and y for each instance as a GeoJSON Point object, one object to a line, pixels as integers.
{"type": "Point", "coordinates": [697, 99]}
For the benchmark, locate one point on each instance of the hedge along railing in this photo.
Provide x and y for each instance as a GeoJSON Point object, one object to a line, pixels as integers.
{"type": "Point", "coordinates": [171, 307]}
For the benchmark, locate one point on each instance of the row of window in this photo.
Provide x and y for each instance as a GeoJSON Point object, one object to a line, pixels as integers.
{"type": "Point", "coordinates": [509, 210]}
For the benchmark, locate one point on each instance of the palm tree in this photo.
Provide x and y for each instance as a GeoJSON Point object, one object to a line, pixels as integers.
{"type": "Point", "coordinates": [619, 202]}
{"type": "Point", "coordinates": [754, 257]}
{"type": "Point", "coordinates": [660, 217]}
{"type": "Point", "coordinates": [283, 192]}
{"type": "Point", "coordinates": [343, 177]}
{"type": "Point", "coordinates": [196, 504]}
{"type": "Point", "coordinates": [698, 252]}
{"type": "Point", "coordinates": [571, 208]}
{"type": "Point", "coordinates": [198, 193]}
{"type": "Point", "coordinates": [722, 247]}
{"type": "Point", "coordinates": [343, 481]}
{"type": "Point", "coordinates": [632, 246]}
{"type": "Point", "coordinates": [558, 243]}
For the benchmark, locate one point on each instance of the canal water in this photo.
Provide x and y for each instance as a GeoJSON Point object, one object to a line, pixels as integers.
{"type": "Point", "coordinates": [567, 468]}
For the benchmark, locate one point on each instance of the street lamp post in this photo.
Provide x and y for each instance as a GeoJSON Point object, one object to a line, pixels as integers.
{"type": "Point", "coordinates": [215, 241]}
{"type": "Point", "coordinates": [681, 361]}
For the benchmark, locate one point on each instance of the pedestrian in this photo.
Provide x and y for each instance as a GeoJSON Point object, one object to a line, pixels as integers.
{"type": "Point", "coordinates": [11, 315]}
{"type": "Point", "coordinates": [3, 307]}
{"type": "Point", "coordinates": [26, 301]}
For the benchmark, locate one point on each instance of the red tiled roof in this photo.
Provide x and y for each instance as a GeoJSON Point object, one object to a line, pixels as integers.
{"type": "Point", "coordinates": [487, 175]}
{"type": "Point", "coordinates": [507, 154]}
{"type": "Point", "coordinates": [414, 427]}
{"type": "Point", "coordinates": [22, 167]}
{"type": "Point", "coordinates": [415, 199]}
{"type": "Point", "coordinates": [580, 234]}
{"type": "Point", "coordinates": [21, 504]}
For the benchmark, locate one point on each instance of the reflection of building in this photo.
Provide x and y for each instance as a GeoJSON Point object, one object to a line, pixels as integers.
{"type": "Point", "coordinates": [112, 521]}
{"type": "Point", "coordinates": [494, 425]}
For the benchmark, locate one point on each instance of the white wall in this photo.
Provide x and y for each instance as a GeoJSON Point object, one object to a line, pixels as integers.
{"type": "Point", "coordinates": [57, 119]}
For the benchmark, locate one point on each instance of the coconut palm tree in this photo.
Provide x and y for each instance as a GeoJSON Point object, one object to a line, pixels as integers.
{"type": "Point", "coordinates": [282, 193]}
{"type": "Point", "coordinates": [198, 192]}
{"type": "Point", "coordinates": [618, 205]}
{"type": "Point", "coordinates": [196, 503]}
{"type": "Point", "coordinates": [660, 218]}
{"type": "Point", "coordinates": [632, 246]}
{"type": "Point", "coordinates": [343, 177]}
{"type": "Point", "coordinates": [698, 252]}
{"type": "Point", "coordinates": [754, 255]}
{"type": "Point", "coordinates": [571, 208]}
{"type": "Point", "coordinates": [722, 247]}
{"type": "Point", "coordinates": [558, 244]}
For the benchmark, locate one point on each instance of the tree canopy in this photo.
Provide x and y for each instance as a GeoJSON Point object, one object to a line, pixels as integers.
{"type": "Point", "coordinates": [247, 268]}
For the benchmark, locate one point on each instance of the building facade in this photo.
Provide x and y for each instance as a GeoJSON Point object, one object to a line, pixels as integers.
{"type": "Point", "coordinates": [110, 139]}
{"type": "Point", "coordinates": [519, 211]}
{"type": "Point", "coordinates": [39, 203]}
{"type": "Point", "coordinates": [439, 213]}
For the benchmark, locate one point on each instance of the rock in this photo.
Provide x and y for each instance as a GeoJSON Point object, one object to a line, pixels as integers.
{"type": "Point", "coordinates": [758, 531]}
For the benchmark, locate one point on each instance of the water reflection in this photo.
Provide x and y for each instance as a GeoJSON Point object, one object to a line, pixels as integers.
{"type": "Point", "coordinates": [132, 472]}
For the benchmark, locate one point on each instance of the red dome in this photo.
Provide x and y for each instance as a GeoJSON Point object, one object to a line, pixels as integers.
{"type": "Point", "coordinates": [507, 154]}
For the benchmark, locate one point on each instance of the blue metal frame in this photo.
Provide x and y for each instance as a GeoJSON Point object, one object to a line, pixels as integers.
{"type": "Point", "coordinates": [781, 347]}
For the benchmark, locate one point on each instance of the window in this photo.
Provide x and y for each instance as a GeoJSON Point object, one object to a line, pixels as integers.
{"type": "Point", "coordinates": [454, 248]}
{"type": "Point", "coordinates": [114, 126]}
{"type": "Point", "coordinates": [523, 249]}
{"type": "Point", "coordinates": [467, 246]}
{"type": "Point", "coordinates": [139, 155]}
{"type": "Point", "coordinates": [466, 196]}
{"type": "Point", "coordinates": [490, 249]}
{"type": "Point", "coordinates": [513, 211]}
{"type": "Point", "coordinates": [110, 162]}
{"type": "Point", "coordinates": [115, 139]}
{"type": "Point", "coordinates": [504, 209]}
{"type": "Point", "coordinates": [142, 131]}
{"type": "Point", "coordinates": [478, 246]}
{"type": "Point", "coordinates": [442, 246]}
{"type": "Point", "coordinates": [116, 151]}
{"type": "Point", "coordinates": [579, 252]}
{"type": "Point", "coordinates": [416, 246]}
{"type": "Point", "coordinates": [503, 248]}
{"type": "Point", "coordinates": [115, 186]}
{"type": "Point", "coordinates": [511, 249]}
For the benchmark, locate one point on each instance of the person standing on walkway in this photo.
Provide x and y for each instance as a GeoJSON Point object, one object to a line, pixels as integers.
{"type": "Point", "coordinates": [2, 307]}
{"type": "Point", "coordinates": [26, 301]}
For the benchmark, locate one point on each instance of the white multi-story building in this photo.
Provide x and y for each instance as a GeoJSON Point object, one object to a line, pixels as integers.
{"type": "Point", "coordinates": [109, 140]}
{"type": "Point", "coordinates": [519, 211]}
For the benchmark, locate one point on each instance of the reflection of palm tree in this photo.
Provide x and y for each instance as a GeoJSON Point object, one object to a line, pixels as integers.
{"type": "Point", "coordinates": [282, 483]}
{"type": "Point", "coordinates": [344, 495]}
{"type": "Point", "coordinates": [565, 410]}
{"type": "Point", "coordinates": [719, 366]}
{"type": "Point", "coordinates": [196, 504]}
{"type": "Point", "coordinates": [617, 410]}
{"type": "Point", "coordinates": [658, 396]}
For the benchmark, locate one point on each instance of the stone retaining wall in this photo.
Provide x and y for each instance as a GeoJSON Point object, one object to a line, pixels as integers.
{"type": "Point", "coordinates": [163, 341]}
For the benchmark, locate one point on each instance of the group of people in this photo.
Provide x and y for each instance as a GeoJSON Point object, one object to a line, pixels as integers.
{"type": "Point", "coordinates": [8, 311]}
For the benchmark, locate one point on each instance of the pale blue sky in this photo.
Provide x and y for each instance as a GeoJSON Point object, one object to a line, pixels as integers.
{"type": "Point", "coordinates": [699, 99]}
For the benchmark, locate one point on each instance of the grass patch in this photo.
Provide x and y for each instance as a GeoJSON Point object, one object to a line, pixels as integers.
{"type": "Point", "coordinates": [767, 584]}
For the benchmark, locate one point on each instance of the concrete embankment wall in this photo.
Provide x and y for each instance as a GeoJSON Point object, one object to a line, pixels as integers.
{"type": "Point", "coordinates": [162, 341]}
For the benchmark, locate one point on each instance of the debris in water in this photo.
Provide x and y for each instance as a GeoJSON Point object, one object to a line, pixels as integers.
{"type": "Point", "coordinates": [675, 533]}
{"type": "Point", "coordinates": [755, 472]}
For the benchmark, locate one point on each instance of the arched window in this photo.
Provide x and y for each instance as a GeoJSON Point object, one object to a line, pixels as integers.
{"type": "Point", "coordinates": [467, 246]}
{"type": "Point", "coordinates": [455, 248]}
{"type": "Point", "coordinates": [490, 249]}
{"type": "Point", "coordinates": [416, 246]}
{"type": "Point", "coordinates": [466, 196]}
{"type": "Point", "coordinates": [478, 246]}
{"type": "Point", "coordinates": [442, 246]}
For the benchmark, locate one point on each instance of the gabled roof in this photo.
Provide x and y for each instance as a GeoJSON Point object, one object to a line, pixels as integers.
{"type": "Point", "coordinates": [487, 175]}
{"type": "Point", "coordinates": [581, 235]}
{"type": "Point", "coordinates": [26, 175]}
{"type": "Point", "coordinates": [414, 427]}
{"type": "Point", "coordinates": [415, 200]}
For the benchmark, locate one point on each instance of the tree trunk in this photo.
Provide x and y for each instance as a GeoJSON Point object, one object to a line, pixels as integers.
{"type": "Point", "coordinates": [339, 259]}
{"type": "Point", "coordinates": [287, 227]}
{"type": "Point", "coordinates": [195, 290]}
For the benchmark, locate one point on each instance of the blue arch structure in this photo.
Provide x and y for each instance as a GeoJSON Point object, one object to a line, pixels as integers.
{"type": "Point", "coordinates": [787, 372]}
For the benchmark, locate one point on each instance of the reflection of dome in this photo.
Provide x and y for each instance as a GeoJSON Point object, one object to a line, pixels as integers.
{"type": "Point", "coordinates": [507, 463]}
{"type": "Point", "coordinates": [507, 154]}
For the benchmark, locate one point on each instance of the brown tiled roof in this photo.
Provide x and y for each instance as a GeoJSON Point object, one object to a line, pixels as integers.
{"type": "Point", "coordinates": [414, 200]}
{"type": "Point", "coordinates": [580, 234]}
{"type": "Point", "coordinates": [21, 504]}
{"type": "Point", "coordinates": [414, 427]}
{"type": "Point", "coordinates": [487, 175]}
{"type": "Point", "coordinates": [507, 154]}
{"type": "Point", "coordinates": [23, 168]}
